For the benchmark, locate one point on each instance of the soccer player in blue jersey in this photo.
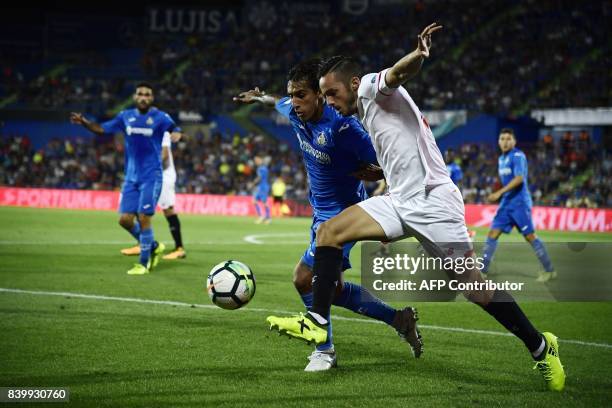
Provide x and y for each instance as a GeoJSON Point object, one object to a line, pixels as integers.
{"type": "Point", "coordinates": [262, 190]}
{"type": "Point", "coordinates": [454, 170]}
{"type": "Point", "coordinates": [337, 152]}
{"type": "Point", "coordinates": [144, 128]}
{"type": "Point", "coordinates": [515, 205]}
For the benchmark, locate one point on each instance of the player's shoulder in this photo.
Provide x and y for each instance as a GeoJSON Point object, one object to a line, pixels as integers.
{"type": "Point", "coordinates": [518, 153]}
{"type": "Point", "coordinates": [342, 124]}
{"type": "Point", "coordinates": [368, 82]}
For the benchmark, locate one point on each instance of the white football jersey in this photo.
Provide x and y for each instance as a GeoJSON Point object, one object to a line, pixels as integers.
{"type": "Point", "coordinates": [169, 173]}
{"type": "Point", "coordinates": [405, 146]}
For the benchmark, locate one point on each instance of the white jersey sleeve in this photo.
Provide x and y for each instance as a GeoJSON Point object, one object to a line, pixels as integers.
{"type": "Point", "coordinates": [166, 141]}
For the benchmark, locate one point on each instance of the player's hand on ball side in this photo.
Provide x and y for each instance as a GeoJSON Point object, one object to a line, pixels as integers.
{"type": "Point", "coordinates": [369, 172]}
{"type": "Point", "coordinates": [493, 197]}
{"type": "Point", "coordinates": [175, 136]}
{"type": "Point", "coordinates": [424, 39]}
{"type": "Point", "coordinates": [250, 96]}
{"type": "Point", "coordinates": [77, 118]}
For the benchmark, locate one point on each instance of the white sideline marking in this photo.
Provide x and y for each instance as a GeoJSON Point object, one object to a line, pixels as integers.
{"type": "Point", "coordinates": [130, 243]}
{"type": "Point", "coordinates": [256, 238]}
{"type": "Point", "coordinates": [254, 309]}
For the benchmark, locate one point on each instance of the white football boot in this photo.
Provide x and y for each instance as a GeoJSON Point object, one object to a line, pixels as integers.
{"type": "Point", "coordinates": [322, 360]}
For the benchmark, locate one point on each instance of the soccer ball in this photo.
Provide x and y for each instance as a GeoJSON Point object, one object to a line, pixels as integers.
{"type": "Point", "coordinates": [230, 284]}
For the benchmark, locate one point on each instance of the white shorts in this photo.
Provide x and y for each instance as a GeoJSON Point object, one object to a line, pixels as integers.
{"type": "Point", "coordinates": [435, 217]}
{"type": "Point", "coordinates": [167, 196]}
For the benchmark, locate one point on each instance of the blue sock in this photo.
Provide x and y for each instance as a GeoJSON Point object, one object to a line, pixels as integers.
{"type": "Point", "coordinates": [359, 300]}
{"type": "Point", "coordinates": [267, 210]}
{"type": "Point", "coordinates": [135, 231]}
{"type": "Point", "coordinates": [146, 244]}
{"type": "Point", "coordinates": [307, 299]}
{"type": "Point", "coordinates": [489, 251]}
{"type": "Point", "coordinates": [540, 250]}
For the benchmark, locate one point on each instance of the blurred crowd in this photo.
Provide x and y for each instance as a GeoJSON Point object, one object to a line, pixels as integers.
{"type": "Point", "coordinates": [491, 56]}
{"type": "Point", "coordinates": [214, 164]}
{"type": "Point", "coordinates": [570, 172]}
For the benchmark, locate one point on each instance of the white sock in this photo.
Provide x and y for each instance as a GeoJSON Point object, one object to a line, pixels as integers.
{"type": "Point", "coordinates": [540, 349]}
{"type": "Point", "coordinates": [320, 319]}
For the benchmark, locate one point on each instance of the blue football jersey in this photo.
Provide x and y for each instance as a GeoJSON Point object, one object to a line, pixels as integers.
{"type": "Point", "coordinates": [262, 173]}
{"type": "Point", "coordinates": [512, 164]}
{"type": "Point", "coordinates": [454, 171]}
{"type": "Point", "coordinates": [143, 138]}
{"type": "Point", "coordinates": [333, 147]}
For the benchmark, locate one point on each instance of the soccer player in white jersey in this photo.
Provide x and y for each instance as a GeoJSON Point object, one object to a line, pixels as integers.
{"type": "Point", "coordinates": [166, 202]}
{"type": "Point", "coordinates": [422, 202]}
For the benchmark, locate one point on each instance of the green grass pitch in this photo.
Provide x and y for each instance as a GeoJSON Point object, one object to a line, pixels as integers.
{"type": "Point", "coordinates": [118, 352]}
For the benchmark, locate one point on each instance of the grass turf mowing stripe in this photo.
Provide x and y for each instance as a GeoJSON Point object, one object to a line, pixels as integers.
{"type": "Point", "coordinates": [260, 310]}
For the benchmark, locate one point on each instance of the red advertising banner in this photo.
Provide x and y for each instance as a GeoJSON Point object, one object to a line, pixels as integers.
{"type": "Point", "coordinates": [206, 204]}
{"type": "Point", "coordinates": [548, 218]}
{"type": "Point", "coordinates": [544, 218]}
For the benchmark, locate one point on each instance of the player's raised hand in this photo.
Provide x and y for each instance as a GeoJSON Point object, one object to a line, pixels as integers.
{"type": "Point", "coordinates": [250, 96]}
{"type": "Point", "coordinates": [424, 39]}
{"type": "Point", "coordinates": [77, 118]}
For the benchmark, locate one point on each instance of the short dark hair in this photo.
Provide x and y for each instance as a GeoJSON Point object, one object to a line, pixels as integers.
{"type": "Point", "coordinates": [144, 85]}
{"type": "Point", "coordinates": [306, 71]}
{"type": "Point", "coordinates": [345, 67]}
{"type": "Point", "coordinates": [507, 130]}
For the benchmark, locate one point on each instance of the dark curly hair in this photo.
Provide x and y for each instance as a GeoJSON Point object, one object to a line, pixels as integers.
{"type": "Point", "coordinates": [306, 71]}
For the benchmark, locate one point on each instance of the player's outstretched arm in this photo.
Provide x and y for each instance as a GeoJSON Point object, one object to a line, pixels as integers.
{"type": "Point", "coordinates": [79, 119]}
{"type": "Point", "coordinates": [407, 67]}
{"type": "Point", "coordinates": [257, 96]}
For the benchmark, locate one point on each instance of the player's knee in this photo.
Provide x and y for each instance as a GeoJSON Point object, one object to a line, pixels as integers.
{"type": "Point", "coordinates": [126, 222]}
{"type": "Point", "coordinates": [327, 235]}
{"type": "Point", "coordinates": [302, 279]}
{"type": "Point", "coordinates": [479, 297]}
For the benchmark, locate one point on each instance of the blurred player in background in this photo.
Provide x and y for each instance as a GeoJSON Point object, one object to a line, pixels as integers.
{"type": "Point", "coordinates": [166, 202]}
{"type": "Point", "coordinates": [454, 170]}
{"type": "Point", "coordinates": [262, 189]}
{"type": "Point", "coordinates": [144, 128]}
{"type": "Point", "coordinates": [456, 175]}
{"type": "Point", "coordinates": [422, 202]}
{"type": "Point", "coordinates": [515, 206]}
{"type": "Point", "coordinates": [278, 196]}
{"type": "Point", "coordinates": [337, 152]}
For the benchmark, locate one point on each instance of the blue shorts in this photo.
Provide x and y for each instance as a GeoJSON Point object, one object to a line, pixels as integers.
{"type": "Point", "coordinates": [508, 217]}
{"type": "Point", "coordinates": [140, 197]}
{"type": "Point", "coordinates": [308, 257]}
{"type": "Point", "coordinates": [261, 194]}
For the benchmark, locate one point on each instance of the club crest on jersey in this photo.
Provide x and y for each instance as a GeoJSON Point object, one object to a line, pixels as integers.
{"type": "Point", "coordinates": [321, 139]}
{"type": "Point", "coordinates": [149, 121]}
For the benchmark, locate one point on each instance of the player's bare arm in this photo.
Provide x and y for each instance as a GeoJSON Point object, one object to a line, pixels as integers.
{"type": "Point", "coordinates": [79, 119]}
{"type": "Point", "coordinates": [257, 96]}
{"type": "Point", "coordinates": [407, 67]}
{"type": "Point", "coordinates": [514, 183]}
{"type": "Point", "coordinates": [165, 157]}
{"type": "Point", "coordinates": [369, 172]}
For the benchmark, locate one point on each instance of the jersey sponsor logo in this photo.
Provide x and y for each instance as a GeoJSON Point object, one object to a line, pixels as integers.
{"type": "Point", "coordinates": [506, 171]}
{"type": "Point", "coordinates": [138, 131]}
{"type": "Point", "coordinates": [318, 155]}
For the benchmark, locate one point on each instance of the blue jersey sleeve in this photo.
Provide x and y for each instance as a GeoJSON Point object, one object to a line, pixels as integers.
{"type": "Point", "coordinates": [519, 164]}
{"type": "Point", "coordinates": [169, 124]}
{"type": "Point", "coordinates": [114, 125]}
{"type": "Point", "coordinates": [353, 137]}
{"type": "Point", "coordinates": [284, 106]}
